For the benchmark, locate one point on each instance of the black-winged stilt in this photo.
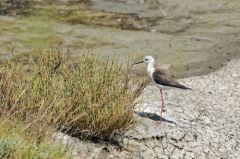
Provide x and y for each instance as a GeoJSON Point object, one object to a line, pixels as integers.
{"type": "Point", "coordinates": [161, 78]}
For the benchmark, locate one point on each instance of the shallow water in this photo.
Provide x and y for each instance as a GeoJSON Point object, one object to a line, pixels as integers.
{"type": "Point", "coordinates": [194, 37]}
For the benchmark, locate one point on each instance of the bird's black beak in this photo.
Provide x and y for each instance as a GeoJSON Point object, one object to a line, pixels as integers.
{"type": "Point", "coordinates": [138, 62]}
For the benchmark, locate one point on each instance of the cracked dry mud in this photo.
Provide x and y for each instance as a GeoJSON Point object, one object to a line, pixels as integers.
{"type": "Point", "coordinates": [204, 123]}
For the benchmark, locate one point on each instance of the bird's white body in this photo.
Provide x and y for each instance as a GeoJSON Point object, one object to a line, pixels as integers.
{"type": "Point", "coordinates": [151, 70]}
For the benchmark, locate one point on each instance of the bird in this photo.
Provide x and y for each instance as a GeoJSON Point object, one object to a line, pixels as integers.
{"type": "Point", "coordinates": [161, 78]}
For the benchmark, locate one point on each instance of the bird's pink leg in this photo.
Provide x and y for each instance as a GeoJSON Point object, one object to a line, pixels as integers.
{"type": "Point", "coordinates": [162, 105]}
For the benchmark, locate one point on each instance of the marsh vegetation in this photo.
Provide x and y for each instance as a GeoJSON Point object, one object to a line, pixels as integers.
{"type": "Point", "coordinates": [87, 98]}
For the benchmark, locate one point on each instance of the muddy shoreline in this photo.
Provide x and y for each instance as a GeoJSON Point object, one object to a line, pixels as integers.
{"type": "Point", "coordinates": [192, 37]}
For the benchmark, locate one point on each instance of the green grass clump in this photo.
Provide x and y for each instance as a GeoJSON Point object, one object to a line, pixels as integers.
{"type": "Point", "coordinates": [87, 98]}
{"type": "Point", "coordinates": [16, 143]}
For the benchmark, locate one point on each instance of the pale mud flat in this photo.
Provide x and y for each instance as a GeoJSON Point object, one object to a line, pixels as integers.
{"type": "Point", "coordinates": [194, 37]}
{"type": "Point", "coordinates": [203, 123]}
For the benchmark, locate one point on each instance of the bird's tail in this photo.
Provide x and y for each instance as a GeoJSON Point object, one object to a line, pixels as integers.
{"type": "Point", "coordinates": [187, 88]}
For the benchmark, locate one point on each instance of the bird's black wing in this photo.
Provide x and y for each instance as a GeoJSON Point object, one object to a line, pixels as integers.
{"type": "Point", "coordinates": [160, 77]}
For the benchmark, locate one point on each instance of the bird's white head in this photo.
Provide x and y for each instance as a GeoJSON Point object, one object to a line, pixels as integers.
{"type": "Point", "coordinates": [150, 61]}
{"type": "Point", "coordinates": [147, 59]}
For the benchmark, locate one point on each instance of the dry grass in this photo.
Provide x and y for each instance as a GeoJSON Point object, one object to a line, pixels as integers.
{"type": "Point", "coordinates": [88, 99]}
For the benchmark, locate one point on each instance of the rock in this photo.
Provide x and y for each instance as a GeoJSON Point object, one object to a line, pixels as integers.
{"type": "Point", "coordinates": [81, 149]}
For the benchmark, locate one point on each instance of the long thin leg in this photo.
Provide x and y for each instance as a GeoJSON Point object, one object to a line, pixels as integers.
{"type": "Point", "coordinates": [162, 105]}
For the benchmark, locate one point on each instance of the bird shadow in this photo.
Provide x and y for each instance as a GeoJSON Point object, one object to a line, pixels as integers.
{"type": "Point", "coordinates": [153, 116]}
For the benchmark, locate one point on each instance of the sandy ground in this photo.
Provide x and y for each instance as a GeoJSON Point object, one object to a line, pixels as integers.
{"type": "Point", "coordinates": [204, 123]}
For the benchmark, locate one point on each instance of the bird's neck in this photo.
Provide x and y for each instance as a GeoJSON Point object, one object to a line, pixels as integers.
{"type": "Point", "coordinates": [150, 69]}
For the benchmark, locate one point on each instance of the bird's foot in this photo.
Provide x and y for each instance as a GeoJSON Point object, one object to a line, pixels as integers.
{"type": "Point", "coordinates": [158, 122]}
